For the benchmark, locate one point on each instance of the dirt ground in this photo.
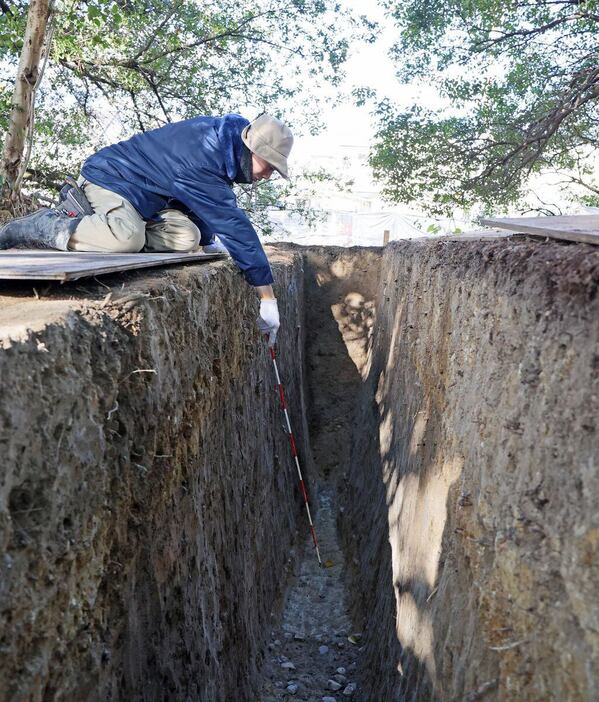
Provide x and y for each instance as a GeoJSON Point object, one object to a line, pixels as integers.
{"type": "Point", "coordinates": [315, 651]}
{"type": "Point", "coordinates": [147, 498]}
{"type": "Point", "coordinates": [475, 494]}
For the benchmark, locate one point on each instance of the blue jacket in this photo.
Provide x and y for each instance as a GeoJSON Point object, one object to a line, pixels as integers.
{"type": "Point", "coordinates": [190, 165]}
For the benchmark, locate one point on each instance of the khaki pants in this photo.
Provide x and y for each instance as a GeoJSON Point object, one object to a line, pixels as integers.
{"type": "Point", "coordinates": [117, 227]}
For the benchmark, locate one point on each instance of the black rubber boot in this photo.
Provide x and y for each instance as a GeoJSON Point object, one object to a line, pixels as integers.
{"type": "Point", "coordinates": [44, 229]}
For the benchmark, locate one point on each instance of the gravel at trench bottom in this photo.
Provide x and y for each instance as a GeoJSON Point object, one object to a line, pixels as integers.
{"type": "Point", "coordinates": [310, 656]}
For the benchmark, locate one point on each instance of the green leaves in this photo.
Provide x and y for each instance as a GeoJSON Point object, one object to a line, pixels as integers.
{"type": "Point", "coordinates": [523, 83]}
{"type": "Point", "coordinates": [94, 14]}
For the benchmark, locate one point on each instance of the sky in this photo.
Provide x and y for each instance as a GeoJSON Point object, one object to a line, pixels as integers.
{"type": "Point", "coordinates": [349, 129]}
{"type": "Point", "coordinates": [368, 65]}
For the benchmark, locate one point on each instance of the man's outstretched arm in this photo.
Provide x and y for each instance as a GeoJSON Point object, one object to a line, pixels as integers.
{"type": "Point", "coordinates": [214, 204]}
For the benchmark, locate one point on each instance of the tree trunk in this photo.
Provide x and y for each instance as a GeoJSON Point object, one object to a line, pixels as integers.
{"type": "Point", "coordinates": [23, 96]}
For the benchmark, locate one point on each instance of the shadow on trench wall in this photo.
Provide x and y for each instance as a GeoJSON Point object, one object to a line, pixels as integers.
{"type": "Point", "coordinates": [386, 515]}
{"type": "Point", "coordinates": [392, 488]}
{"type": "Point", "coordinates": [403, 465]}
{"type": "Point", "coordinates": [342, 286]}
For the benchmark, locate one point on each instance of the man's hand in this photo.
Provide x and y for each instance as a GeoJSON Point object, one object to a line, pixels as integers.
{"type": "Point", "coordinates": [268, 321]}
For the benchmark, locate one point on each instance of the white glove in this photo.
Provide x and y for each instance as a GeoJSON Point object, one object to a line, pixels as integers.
{"type": "Point", "coordinates": [268, 321]}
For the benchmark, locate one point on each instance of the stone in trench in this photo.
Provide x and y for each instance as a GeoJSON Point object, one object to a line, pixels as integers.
{"type": "Point", "coordinates": [340, 678]}
{"type": "Point", "coordinates": [323, 649]}
{"type": "Point", "coordinates": [299, 637]}
{"type": "Point", "coordinates": [292, 688]}
{"type": "Point", "coordinates": [333, 685]}
{"type": "Point", "coordinates": [287, 665]}
{"type": "Point", "coordinates": [349, 690]}
{"type": "Point", "coordinates": [341, 670]}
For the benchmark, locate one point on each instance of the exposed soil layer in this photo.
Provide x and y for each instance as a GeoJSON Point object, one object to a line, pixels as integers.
{"type": "Point", "coordinates": [147, 496]}
{"type": "Point", "coordinates": [472, 500]}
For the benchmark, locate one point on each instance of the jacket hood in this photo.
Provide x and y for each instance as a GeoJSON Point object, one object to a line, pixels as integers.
{"type": "Point", "coordinates": [234, 150]}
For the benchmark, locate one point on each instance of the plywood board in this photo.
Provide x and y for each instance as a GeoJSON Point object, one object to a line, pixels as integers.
{"type": "Point", "coordinates": [582, 228]}
{"type": "Point", "coordinates": [21, 264]}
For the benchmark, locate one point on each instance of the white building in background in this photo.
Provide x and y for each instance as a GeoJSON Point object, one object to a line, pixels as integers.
{"type": "Point", "coordinates": [357, 216]}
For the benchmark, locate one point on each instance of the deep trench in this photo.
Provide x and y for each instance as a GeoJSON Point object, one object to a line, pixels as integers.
{"type": "Point", "coordinates": [454, 391]}
{"type": "Point", "coordinates": [315, 648]}
{"type": "Point", "coordinates": [444, 396]}
{"type": "Point", "coordinates": [147, 496]}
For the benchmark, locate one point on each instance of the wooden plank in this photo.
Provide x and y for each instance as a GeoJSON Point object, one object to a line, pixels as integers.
{"type": "Point", "coordinates": [21, 264]}
{"type": "Point", "coordinates": [580, 228]}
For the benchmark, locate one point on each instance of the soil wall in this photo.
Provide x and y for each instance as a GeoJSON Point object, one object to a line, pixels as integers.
{"type": "Point", "coordinates": [147, 498]}
{"type": "Point", "coordinates": [341, 286]}
{"type": "Point", "coordinates": [471, 501]}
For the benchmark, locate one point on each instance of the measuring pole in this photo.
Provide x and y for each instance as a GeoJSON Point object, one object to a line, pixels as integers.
{"type": "Point", "coordinates": [294, 451]}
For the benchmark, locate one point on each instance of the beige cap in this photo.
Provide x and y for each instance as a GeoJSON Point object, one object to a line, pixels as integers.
{"type": "Point", "coordinates": [270, 139]}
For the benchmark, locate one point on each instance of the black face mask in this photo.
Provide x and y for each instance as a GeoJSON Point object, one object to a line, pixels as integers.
{"type": "Point", "coordinates": [244, 173]}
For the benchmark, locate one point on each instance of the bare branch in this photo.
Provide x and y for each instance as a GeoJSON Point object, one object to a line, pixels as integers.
{"type": "Point", "coordinates": [155, 32]}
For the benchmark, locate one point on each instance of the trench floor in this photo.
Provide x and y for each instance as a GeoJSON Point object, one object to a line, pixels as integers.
{"type": "Point", "coordinates": [310, 655]}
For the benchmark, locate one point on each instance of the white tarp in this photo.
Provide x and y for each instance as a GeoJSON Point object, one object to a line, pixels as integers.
{"type": "Point", "coordinates": [346, 228]}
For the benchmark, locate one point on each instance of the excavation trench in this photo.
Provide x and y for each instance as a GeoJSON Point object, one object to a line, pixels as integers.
{"type": "Point", "coordinates": [444, 399]}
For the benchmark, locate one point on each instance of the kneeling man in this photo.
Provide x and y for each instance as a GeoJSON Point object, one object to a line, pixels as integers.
{"type": "Point", "coordinates": [170, 189]}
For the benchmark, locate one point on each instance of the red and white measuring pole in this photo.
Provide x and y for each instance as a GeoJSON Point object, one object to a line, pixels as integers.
{"type": "Point", "coordinates": [294, 450]}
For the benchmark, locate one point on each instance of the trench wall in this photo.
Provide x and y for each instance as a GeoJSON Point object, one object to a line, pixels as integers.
{"type": "Point", "coordinates": [470, 508]}
{"type": "Point", "coordinates": [341, 287]}
{"type": "Point", "coordinates": [147, 499]}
